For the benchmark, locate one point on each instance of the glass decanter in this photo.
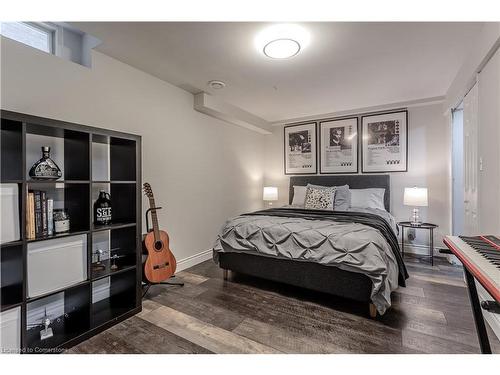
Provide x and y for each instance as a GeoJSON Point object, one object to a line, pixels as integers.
{"type": "Point", "coordinates": [45, 168]}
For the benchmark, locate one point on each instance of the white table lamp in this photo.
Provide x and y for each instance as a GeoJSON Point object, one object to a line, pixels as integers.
{"type": "Point", "coordinates": [270, 194]}
{"type": "Point", "coordinates": [416, 197]}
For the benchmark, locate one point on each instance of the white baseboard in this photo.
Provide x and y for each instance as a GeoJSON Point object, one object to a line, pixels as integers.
{"type": "Point", "coordinates": [421, 249]}
{"type": "Point", "coordinates": [193, 260]}
{"type": "Point", "coordinates": [418, 249]}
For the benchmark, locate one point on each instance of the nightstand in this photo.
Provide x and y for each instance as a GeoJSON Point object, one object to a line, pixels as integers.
{"type": "Point", "coordinates": [428, 226]}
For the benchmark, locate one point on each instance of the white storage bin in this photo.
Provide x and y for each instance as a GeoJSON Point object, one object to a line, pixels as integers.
{"type": "Point", "coordinates": [56, 264]}
{"type": "Point", "coordinates": [10, 328]}
{"type": "Point", "coordinates": [9, 206]}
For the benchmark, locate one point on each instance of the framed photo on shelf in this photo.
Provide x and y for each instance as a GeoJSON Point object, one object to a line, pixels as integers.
{"type": "Point", "coordinates": [300, 149]}
{"type": "Point", "coordinates": [338, 145]}
{"type": "Point", "coordinates": [384, 146]}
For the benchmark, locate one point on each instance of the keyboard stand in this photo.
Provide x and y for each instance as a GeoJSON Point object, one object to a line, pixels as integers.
{"type": "Point", "coordinates": [482, 334]}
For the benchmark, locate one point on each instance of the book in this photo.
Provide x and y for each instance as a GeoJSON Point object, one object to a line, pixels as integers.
{"type": "Point", "coordinates": [43, 198]}
{"type": "Point", "coordinates": [38, 213]}
{"type": "Point", "coordinates": [50, 216]}
{"type": "Point", "coordinates": [30, 215]}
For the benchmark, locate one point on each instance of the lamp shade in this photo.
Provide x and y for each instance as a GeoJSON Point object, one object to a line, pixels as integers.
{"type": "Point", "coordinates": [415, 196]}
{"type": "Point", "coordinates": [270, 193]}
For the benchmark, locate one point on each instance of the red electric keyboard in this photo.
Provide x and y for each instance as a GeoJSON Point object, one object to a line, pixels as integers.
{"type": "Point", "coordinates": [480, 256]}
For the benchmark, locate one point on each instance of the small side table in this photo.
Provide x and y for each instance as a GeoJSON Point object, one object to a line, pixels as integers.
{"type": "Point", "coordinates": [428, 226]}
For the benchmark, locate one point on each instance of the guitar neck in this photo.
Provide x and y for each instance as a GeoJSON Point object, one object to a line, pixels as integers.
{"type": "Point", "coordinates": [154, 218]}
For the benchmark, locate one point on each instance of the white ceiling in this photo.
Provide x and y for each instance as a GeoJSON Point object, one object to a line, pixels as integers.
{"type": "Point", "coordinates": [345, 66]}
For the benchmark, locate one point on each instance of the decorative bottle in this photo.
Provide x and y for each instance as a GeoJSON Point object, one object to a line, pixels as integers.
{"type": "Point", "coordinates": [61, 221]}
{"type": "Point", "coordinates": [45, 168]}
{"type": "Point", "coordinates": [102, 209]}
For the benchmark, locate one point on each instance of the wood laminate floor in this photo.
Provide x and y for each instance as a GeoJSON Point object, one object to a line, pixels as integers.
{"type": "Point", "coordinates": [250, 315]}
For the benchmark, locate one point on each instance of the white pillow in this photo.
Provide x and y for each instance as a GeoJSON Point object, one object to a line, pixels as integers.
{"type": "Point", "coordinates": [299, 195]}
{"type": "Point", "coordinates": [368, 198]}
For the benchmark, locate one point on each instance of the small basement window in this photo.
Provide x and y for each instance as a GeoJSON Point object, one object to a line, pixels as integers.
{"type": "Point", "coordinates": [31, 34]}
{"type": "Point", "coordinates": [57, 38]}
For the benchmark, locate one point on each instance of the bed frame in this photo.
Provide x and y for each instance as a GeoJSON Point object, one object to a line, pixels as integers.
{"type": "Point", "coordinates": [309, 275]}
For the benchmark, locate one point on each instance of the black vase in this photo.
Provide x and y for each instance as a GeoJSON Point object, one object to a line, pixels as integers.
{"type": "Point", "coordinates": [102, 209]}
{"type": "Point", "coordinates": [45, 168]}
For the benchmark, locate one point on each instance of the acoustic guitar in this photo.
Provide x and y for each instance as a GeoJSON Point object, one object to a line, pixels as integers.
{"type": "Point", "coordinates": [160, 264]}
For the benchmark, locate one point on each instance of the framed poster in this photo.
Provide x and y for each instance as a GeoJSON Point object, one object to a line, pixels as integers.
{"type": "Point", "coordinates": [385, 142]}
{"type": "Point", "coordinates": [300, 149]}
{"type": "Point", "coordinates": [338, 145]}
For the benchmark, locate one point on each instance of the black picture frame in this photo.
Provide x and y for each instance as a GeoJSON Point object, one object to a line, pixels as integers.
{"type": "Point", "coordinates": [320, 149]}
{"type": "Point", "coordinates": [364, 140]}
{"type": "Point", "coordinates": [314, 148]}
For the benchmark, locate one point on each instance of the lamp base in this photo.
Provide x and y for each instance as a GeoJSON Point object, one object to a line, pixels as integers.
{"type": "Point", "coordinates": [415, 219]}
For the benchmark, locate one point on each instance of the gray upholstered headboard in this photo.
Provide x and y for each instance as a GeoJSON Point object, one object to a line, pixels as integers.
{"type": "Point", "coordinates": [354, 182]}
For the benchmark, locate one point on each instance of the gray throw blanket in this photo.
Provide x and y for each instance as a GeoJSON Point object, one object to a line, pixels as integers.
{"type": "Point", "coordinates": [352, 241]}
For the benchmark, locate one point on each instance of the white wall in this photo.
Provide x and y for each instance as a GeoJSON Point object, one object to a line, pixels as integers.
{"type": "Point", "coordinates": [488, 149]}
{"type": "Point", "coordinates": [202, 170]}
{"type": "Point", "coordinates": [488, 38]}
{"type": "Point", "coordinates": [429, 148]}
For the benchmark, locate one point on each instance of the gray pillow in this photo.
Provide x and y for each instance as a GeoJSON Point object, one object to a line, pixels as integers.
{"type": "Point", "coordinates": [342, 198]}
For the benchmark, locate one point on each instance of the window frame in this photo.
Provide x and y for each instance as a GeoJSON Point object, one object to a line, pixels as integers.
{"type": "Point", "coordinates": [51, 32]}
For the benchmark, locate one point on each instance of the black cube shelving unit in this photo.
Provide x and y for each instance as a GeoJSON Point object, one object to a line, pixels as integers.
{"type": "Point", "coordinates": [80, 314]}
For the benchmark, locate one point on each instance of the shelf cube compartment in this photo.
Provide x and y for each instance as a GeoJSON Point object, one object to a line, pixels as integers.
{"type": "Point", "coordinates": [11, 151]}
{"type": "Point", "coordinates": [56, 264]}
{"type": "Point", "coordinates": [123, 201]}
{"type": "Point", "coordinates": [100, 158]}
{"type": "Point", "coordinates": [11, 276]}
{"type": "Point", "coordinates": [74, 197]}
{"type": "Point", "coordinates": [10, 331]}
{"type": "Point", "coordinates": [10, 212]}
{"type": "Point", "coordinates": [113, 296]}
{"type": "Point", "coordinates": [68, 313]}
{"type": "Point", "coordinates": [69, 149]}
{"type": "Point", "coordinates": [113, 251]}
{"type": "Point", "coordinates": [122, 154]}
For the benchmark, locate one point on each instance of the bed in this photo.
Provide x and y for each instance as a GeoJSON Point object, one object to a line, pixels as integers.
{"type": "Point", "coordinates": [352, 254]}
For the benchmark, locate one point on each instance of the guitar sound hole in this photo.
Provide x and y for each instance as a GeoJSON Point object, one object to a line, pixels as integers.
{"type": "Point", "coordinates": [158, 245]}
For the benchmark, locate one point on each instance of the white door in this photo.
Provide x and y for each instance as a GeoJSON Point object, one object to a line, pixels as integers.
{"type": "Point", "coordinates": [458, 171]}
{"type": "Point", "coordinates": [471, 222]}
{"type": "Point", "coordinates": [488, 146]}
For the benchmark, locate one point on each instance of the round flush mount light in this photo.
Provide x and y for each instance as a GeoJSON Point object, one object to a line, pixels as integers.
{"type": "Point", "coordinates": [215, 84]}
{"type": "Point", "coordinates": [282, 41]}
{"type": "Point", "coordinates": [281, 48]}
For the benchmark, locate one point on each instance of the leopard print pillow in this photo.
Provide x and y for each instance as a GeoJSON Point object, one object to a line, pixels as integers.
{"type": "Point", "coordinates": [319, 198]}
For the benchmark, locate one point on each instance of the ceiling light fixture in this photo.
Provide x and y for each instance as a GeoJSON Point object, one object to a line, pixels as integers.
{"type": "Point", "coordinates": [282, 41]}
{"type": "Point", "coordinates": [215, 84]}
{"type": "Point", "coordinates": [281, 48]}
